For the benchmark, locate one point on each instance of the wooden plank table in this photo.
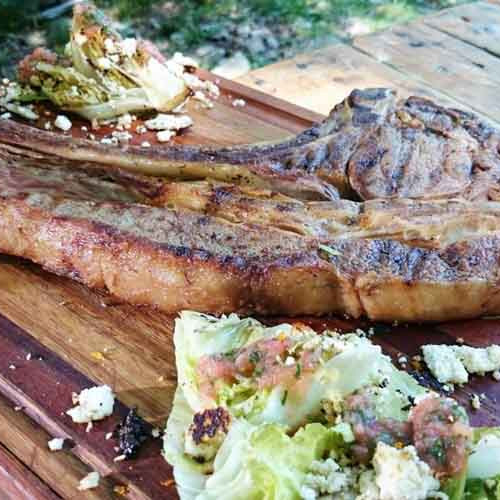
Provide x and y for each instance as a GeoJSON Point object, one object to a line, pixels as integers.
{"type": "Point", "coordinates": [76, 337]}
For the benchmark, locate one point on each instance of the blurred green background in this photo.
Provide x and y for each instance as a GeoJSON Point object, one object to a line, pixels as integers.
{"type": "Point", "coordinates": [231, 36]}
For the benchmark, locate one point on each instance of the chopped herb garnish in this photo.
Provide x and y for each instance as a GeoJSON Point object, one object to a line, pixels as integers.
{"type": "Point", "coordinates": [298, 370]}
{"type": "Point", "coordinates": [284, 398]}
{"type": "Point", "coordinates": [230, 354]}
{"type": "Point", "coordinates": [438, 451]}
{"type": "Point", "coordinates": [329, 250]}
{"type": "Point", "coordinates": [255, 357]}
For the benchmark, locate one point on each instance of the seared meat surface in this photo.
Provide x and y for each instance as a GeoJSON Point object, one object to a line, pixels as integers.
{"type": "Point", "coordinates": [401, 259]}
{"type": "Point", "coordinates": [371, 146]}
{"type": "Point", "coordinates": [261, 229]}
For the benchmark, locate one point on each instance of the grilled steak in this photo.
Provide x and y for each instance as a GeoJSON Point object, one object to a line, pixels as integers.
{"type": "Point", "coordinates": [369, 147]}
{"type": "Point", "coordinates": [406, 260]}
{"type": "Point", "coordinates": [309, 166]}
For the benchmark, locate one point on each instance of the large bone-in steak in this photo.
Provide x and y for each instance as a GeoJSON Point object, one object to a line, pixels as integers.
{"type": "Point", "coordinates": [386, 209]}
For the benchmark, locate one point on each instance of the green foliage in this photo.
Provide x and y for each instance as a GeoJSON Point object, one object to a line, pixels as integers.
{"type": "Point", "coordinates": [185, 25]}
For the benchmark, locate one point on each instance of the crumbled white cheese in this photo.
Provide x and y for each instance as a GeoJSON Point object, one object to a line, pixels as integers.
{"type": "Point", "coordinates": [401, 475]}
{"type": "Point", "coordinates": [128, 47]}
{"type": "Point", "coordinates": [109, 140]}
{"type": "Point", "coordinates": [496, 375]}
{"type": "Point", "coordinates": [125, 120]}
{"type": "Point", "coordinates": [479, 360]}
{"type": "Point", "coordinates": [108, 436]}
{"type": "Point", "coordinates": [104, 63]}
{"type": "Point", "coordinates": [475, 402]}
{"type": "Point", "coordinates": [165, 135]}
{"type": "Point", "coordinates": [28, 356]}
{"type": "Point", "coordinates": [453, 363]}
{"type": "Point", "coordinates": [84, 128]}
{"type": "Point", "coordinates": [56, 444]}
{"type": "Point", "coordinates": [120, 458]}
{"type": "Point", "coordinates": [94, 403]}
{"type": "Point", "coordinates": [239, 103]}
{"type": "Point", "coordinates": [110, 46]}
{"type": "Point", "coordinates": [368, 489]}
{"type": "Point", "coordinates": [402, 360]}
{"type": "Point", "coordinates": [155, 432]}
{"type": "Point", "coordinates": [5, 116]}
{"type": "Point", "coordinates": [47, 125]}
{"type": "Point", "coordinates": [12, 367]}
{"type": "Point", "coordinates": [63, 122]}
{"type": "Point", "coordinates": [182, 60]}
{"type": "Point", "coordinates": [325, 477]}
{"type": "Point", "coordinates": [289, 361]}
{"type": "Point", "coordinates": [169, 122]}
{"type": "Point", "coordinates": [203, 99]}
{"type": "Point", "coordinates": [444, 364]}
{"type": "Point", "coordinates": [141, 129]}
{"type": "Point", "coordinates": [90, 481]}
{"type": "Point", "coordinates": [79, 38]}
{"type": "Point", "coordinates": [122, 137]}
{"type": "Point", "coordinates": [193, 82]}
{"type": "Point", "coordinates": [145, 144]}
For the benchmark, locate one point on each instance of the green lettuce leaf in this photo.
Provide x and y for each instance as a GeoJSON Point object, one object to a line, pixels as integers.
{"type": "Point", "coordinates": [264, 463]}
{"type": "Point", "coordinates": [480, 489]}
{"type": "Point", "coordinates": [484, 461]}
{"type": "Point", "coordinates": [483, 470]}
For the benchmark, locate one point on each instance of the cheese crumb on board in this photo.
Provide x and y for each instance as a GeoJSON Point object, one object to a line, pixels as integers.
{"type": "Point", "coordinates": [122, 137]}
{"type": "Point", "coordinates": [56, 444]}
{"type": "Point", "coordinates": [444, 364]}
{"type": "Point", "coordinates": [475, 402]}
{"type": "Point", "coordinates": [63, 122]}
{"type": "Point", "coordinates": [94, 403]}
{"type": "Point", "coordinates": [453, 363]}
{"type": "Point", "coordinates": [90, 481]}
{"type": "Point", "coordinates": [239, 103]}
{"type": "Point", "coordinates": [203, 99]}
{"type": "Point", "coordinates": [165, 135]}
{"type": "Point", "coordinates": [168, 122]}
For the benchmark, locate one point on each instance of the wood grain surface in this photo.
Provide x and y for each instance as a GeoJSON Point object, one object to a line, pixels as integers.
{"type": "Point", "coordinates": [77, 338]}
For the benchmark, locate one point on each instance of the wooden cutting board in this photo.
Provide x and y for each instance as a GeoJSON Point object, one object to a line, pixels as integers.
{"type": "Point", "coordinates": [75, 338]}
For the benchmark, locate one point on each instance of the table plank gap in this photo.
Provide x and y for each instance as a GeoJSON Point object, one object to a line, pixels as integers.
{"type": "Point", "coordinates": [19, 482]}
{"type": "Point", "coordinates": [460, 71]}
{"type": "Point", "coordinates": [322, 78]}
{"type": "Point", "coordinates": [42, 387]}
{"type": "Point", "coordinates": [477, 24]}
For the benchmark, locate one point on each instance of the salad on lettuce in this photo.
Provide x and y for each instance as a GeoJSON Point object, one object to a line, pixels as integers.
{"type": "Point", "coordinates": [284, 413]}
